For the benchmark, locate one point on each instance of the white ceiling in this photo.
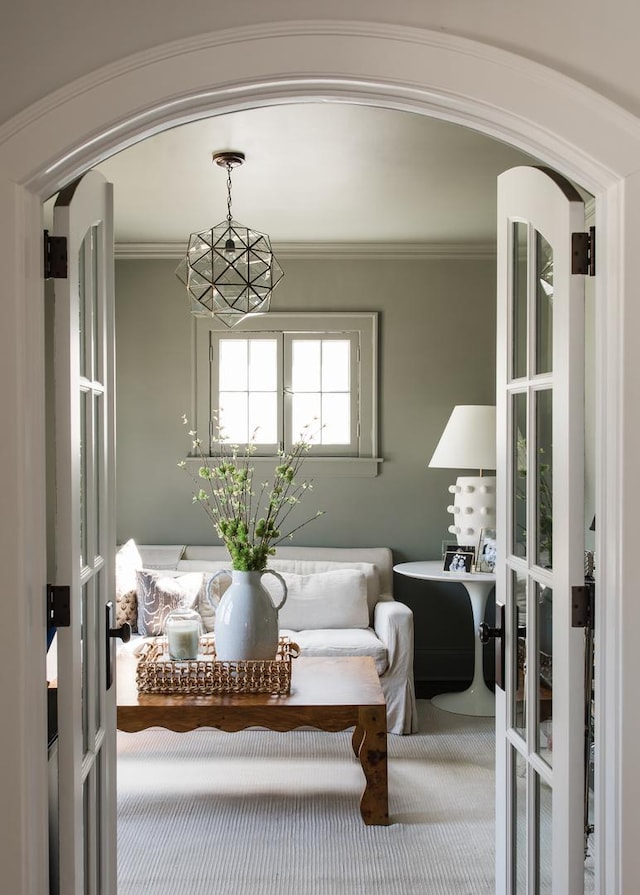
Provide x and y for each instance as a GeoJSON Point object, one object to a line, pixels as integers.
{"type": "Point", "coordinates": [314, 173]}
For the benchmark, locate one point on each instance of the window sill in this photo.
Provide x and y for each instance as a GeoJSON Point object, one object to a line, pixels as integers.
{"type": "Point", "coordinates": [313, 467]}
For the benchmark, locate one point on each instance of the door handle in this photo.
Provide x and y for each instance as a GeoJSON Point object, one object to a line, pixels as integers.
{"type": "Point", "coordinates": [489, 632]}
{"type": "Point", "coordinates": [122, 633]}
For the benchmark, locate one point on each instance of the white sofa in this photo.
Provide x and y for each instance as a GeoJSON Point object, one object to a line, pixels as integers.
{"type": "Point", "coordinates": [380, 626]}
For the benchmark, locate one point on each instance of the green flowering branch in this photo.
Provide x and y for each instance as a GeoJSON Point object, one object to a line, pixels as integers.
{"type": "Point", "coordinates": [250, 529]}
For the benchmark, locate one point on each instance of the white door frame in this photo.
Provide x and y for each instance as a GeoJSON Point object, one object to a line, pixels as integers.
{"type": "Point", "coordinates": [536, 109]}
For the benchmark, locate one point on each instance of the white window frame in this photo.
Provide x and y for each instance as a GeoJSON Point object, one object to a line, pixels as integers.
{"type": "Point", "coordinates": [363, 459]}
{"type": "Point", "coordinates": [352, 448]}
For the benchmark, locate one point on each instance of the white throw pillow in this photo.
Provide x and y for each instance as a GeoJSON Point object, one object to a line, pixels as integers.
{"type": "Point", "coordinates": [317, 566]}
{"type": "Point", "coordinates": [335, 599]}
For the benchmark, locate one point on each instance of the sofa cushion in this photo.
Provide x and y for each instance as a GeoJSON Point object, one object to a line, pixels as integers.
{"type": "Point", "coordinates": [341, 642]}
{"type": "Point", "coordinates": [336, 599]}
{"type": "Point", "coordinates": [160, 556]}
{"type": "Point", "coordinates": [159, 593]}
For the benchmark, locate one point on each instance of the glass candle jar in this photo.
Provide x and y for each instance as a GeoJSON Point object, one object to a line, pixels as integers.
{"type": "Point", "coordinates": [182, 629]}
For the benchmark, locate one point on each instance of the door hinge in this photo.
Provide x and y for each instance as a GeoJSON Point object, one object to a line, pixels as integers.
{"type": "Point", "coordinates": [59, 605]}
{"type": "Point", "coordinates": [582, 605]}
{"type": "Point", "coordinates": [55, 257]}
{"type": "Point", "coordinates": [583, 252]}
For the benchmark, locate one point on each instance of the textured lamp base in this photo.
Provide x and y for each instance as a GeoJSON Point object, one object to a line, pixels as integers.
{"type": "Point", "coordinates": [473, 508]}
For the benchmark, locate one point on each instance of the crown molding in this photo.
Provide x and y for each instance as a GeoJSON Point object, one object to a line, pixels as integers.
{"type": "Point", "coordinates": [346, 251]}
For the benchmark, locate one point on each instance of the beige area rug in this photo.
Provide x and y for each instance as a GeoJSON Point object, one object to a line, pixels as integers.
{"type": "Point", "coordinates": [264, 813]}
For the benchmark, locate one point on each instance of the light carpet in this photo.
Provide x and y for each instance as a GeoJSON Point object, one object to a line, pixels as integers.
{"type": "Point", "coordinates": [266, 813]}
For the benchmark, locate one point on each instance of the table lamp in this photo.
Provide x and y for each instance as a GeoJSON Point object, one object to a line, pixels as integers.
{"type": "Point", "coordinates": [469, 442]}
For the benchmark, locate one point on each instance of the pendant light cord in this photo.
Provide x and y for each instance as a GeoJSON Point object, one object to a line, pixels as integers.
{"type": "Point", "coordinates": [229, 168]}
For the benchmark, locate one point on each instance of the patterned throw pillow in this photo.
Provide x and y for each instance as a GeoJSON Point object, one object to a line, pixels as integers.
{"type": "Point", "coordinates": [128, 560]}
{"type": "Point", "coordinates": [158, 594]}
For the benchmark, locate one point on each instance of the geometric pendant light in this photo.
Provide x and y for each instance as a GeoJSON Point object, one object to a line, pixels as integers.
{"type": "Point", "coordinates": [229, 270]}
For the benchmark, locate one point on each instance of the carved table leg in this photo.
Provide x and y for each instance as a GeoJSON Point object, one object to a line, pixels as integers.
{"type": "Point", "coordinates": [356, 740]}
{"type": "Point", "coordinates": [374, 804]}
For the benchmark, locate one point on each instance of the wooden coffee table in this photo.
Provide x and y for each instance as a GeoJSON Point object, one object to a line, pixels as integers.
{"type": "Point", "coordinates": [327, 693]}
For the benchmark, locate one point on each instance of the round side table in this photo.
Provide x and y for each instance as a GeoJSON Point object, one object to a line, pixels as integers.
{"type": "Point", "coordinates": [477, 699]}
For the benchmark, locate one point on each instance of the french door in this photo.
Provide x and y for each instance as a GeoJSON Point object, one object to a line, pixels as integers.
{"type": "Point", "coordinates": [84, 534]}
{"type": "Point", "coordinates": [540, 523]}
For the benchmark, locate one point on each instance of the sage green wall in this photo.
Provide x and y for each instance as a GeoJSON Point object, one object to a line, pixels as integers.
{"type": "Point", "coordinates": [436, 349]}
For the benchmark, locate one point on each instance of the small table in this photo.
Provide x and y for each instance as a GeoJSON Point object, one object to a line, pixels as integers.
{"type": "Point", "coordinates": [477, 699]}
{"type": "Point", "coordinates": [328, 693]}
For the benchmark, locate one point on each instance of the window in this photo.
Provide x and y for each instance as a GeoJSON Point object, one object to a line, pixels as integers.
{"type": "Point", "coordinates": [274, 377]}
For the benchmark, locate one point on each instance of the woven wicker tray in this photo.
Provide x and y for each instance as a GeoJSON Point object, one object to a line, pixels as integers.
{"type": "Point", "coordinates": [157, 673]}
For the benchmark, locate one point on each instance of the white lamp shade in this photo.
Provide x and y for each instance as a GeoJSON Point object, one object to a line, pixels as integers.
{"type": "Point", "coordinates": [468, 440]}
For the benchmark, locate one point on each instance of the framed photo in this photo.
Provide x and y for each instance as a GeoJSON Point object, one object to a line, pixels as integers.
{"type": "Point", "coordinates": [486, 551]}
{"type": "Point", "coordinates": [458, 560]}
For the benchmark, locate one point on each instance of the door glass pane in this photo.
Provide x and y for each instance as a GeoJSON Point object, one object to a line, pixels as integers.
{"type": "Point", "coordinates": [87, 811]}
{"type": "Point", "coordinates": [306, 365]}
{"type": "Point", "coordinates": [95, 341]}
{"type": "Point", "coordinates": [519, 300]}
{"type": "Point", "coordinates": [84, 668]}
{"type": "Point", "coordinates": [90, 788]}
{"type": "Point", "coordinates": [519, 816]}
{"type": "Point", "coordinates": [98, 663]}
{"type": "Point", "coordinates": [519, 597]}
{"type": "Point", "coordinates": [84, 553]}
{"type": "Point", "coordinates": [544, 478]}
{"type": "Point", "coordinates": [544, 305]}
{"type": "Point", "coordinates": [545, 836]}
{"type": "Point", "coordinates": [82, 327]}
{"type": "Point", "coordinates": [335, 365]}
{"type": "Point", "coordinates": [98, 458]}
{"type": "Point", "coordinates": [519, 465]}
{"type": "Point", "coordinates": [545, 672]}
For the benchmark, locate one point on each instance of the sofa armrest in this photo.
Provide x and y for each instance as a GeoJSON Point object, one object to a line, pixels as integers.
{"type": "Point", "coordinates": [393, 624]}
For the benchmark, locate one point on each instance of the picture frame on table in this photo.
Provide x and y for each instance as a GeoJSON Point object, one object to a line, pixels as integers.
{"type": "Point", "coordinates": [459, 559]}
{"type": "Point", "coordinates": [486, 561]}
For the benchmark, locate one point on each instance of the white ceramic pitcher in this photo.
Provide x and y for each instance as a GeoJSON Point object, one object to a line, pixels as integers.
{"type": "Point", "coordinates": [246, 625]}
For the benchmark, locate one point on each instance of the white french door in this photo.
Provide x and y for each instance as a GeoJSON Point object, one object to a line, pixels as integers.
{"type": "Point", "coordinates": [540, 523]}
{"type": "Point", "coordinates": [85, 536]}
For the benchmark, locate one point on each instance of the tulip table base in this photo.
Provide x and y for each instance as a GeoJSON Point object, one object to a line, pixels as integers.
{"type": "Point", "coordinates": [477, 699]}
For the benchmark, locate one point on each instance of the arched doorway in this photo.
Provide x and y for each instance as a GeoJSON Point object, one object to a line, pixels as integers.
{"type": "Point", "coordinates": [494, 92]}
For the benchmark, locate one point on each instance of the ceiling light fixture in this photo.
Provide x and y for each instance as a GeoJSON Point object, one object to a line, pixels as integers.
{"type": "Point", "coordinates": [229, 270]}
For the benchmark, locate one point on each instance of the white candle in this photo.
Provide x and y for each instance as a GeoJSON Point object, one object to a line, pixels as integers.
{"type": "Point", "coordinates": [183, 638]}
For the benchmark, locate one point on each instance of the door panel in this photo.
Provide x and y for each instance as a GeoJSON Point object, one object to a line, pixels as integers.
{"type": "Point", "coordinates": [539, 731]}
{"type": "Point", "coordinates": [85, 535]}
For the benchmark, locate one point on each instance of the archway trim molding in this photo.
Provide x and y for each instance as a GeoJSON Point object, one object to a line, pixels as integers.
{"type": "Point", "coordinates": [483, 87]}
{"type": "Point", "coordinates": [502, 95]}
